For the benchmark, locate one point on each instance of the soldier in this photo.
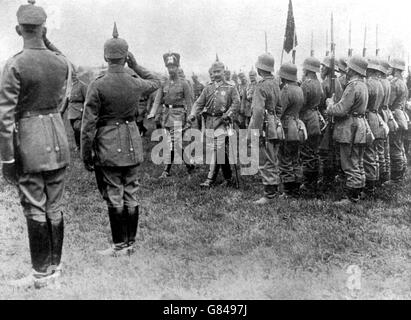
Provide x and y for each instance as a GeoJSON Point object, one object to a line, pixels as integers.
{"type": "Point", "coordinates": [33, 143]}
{"type": "Point", "coordinates": [246, 100]}
{"type": "Point", "coordinates": [211, 74]}
{"type": "Point", "coordinates": [291, 102]}
{"type": "Point", "coordinates": [243, 118]}
{"type": "Point", "coordinates": [264, 119]}
{"type": "Point", "coordinates": [386, 114]}
{"type": "Point", "coordinates": [311, 117]}
{"type": "Point", "coordinates": [374, 153]}
{"type": "Point", "coordinates": [350, 128]}
{"type": "Point", "coordinates": [111, 143]}
{"type": "Point", "coordinates": [198, 87]}
{"type": "Point", "coordinates": [328, 150]}
{"type": "Point", "coordinates": [342, 69]}
{"type": "Point", "coordinates": [398, 99]}
{"type": "Point", "coordinates": [176, 96]}
{"type": "Point", "coordinates": [219, 102]}
{"type": "Point", "coordinates": [141, 112]}
{"type": "Point", "coordinates": [75, 107]}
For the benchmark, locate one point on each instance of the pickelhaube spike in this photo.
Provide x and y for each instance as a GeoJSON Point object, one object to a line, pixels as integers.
{"type": "Point", "coordinates": [115, 31]}
{"type": "Point", "coordinates": [33, 2]}
{"type": "Point", "coordinates": [216, 57]}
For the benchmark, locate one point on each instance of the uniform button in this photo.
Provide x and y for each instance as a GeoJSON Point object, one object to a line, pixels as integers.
{"type": "Point", "coordinates": [131, 149]}
{"type": "Point", "coordinates": [41, 116]}
{"type": "Point", "coordinates": [117, 124]}
{"type": "Point", "coordinates": [126, 122]}
{"type": "Point", "coordinates": [119, 150]}
{"type": "Point", "coordinates": [48, 149]}
{"type": "Point", "coordinates": [57, 149]}
{"type": "Point", "coordinates": [51, 115]}
{"type": "Point", "coordinates": [81, 110]}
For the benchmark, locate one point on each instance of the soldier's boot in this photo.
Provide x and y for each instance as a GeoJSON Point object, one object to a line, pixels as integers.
{"type": "Point", "coordinates": [369, 191]}
{"type": "Point", "coordinates": [167, 169]}
{"type": "Point", "coordinates": [396, 176]}
{"type": "Point", "coordinates": [210, 182]}
{"type": "Point", "coordinates": [57, 238]}
{"type": "Point", "coordinates": [309, 187]}
{"type": "Point", "coordinates": [118, 232]}
{"type": "Point", "coordinates": [352, 195]}
{"type": "Point", "coordinates": [132, 216]}
{"type": "Point", "coordinates": [270, 192]}
{"type": "Point", "coordinates": [288, 190]}
{"type": "Point", "coordinates": [40, 252]}
{"type": "Point", "coordinates": [227, 174]}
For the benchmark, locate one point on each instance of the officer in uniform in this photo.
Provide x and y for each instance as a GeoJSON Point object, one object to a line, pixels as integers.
{"type": "Point", "coordinates": [75, 107]}
{"type": "Point", "coordinates": [176, 96]}
{"type": "Point", "coordinates": [398, 100]}
{"type": "Point", "coordinates": [350, 127]}
{"type": "Point", "coordinates": [311, 117]}
{"type": "Point", "coordinates": [110, 140]}
{"type": "Point", "coordinates": [374, 153]}
{"type": "Point", "coordinates": [33, 143]}
{"type": "Point", "coordinates": [198, 87]}
{"type": "Point", "coordinates": [291, 102]}
{"type": "Point", "coordinates": [243, 119]}
{"type": "Point", "coordinates": [266, 124]}
{"type": "Point", "coordinates": [328, 150]}
{"type": "Point", "coordinates": [219, 103]}
{"type": "Point", "coordinates": [388, 117]}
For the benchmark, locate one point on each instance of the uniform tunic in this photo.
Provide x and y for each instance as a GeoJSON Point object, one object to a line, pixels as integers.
{"type": "Point", "coordinates": [388, 118]}
{"type": "Point", "coordinates": [243, 118]}
{"type": "Point", "coordinates": [31, 91]}
{"type": "Point", "coordinates": [110, 132]}
{"type": "Point", "coordinates": [264, 102]}
{"type": "Point", "coordinates": [291, 102]}
{"type": "Point", "coordinates": [350, 131]}
{"type": "Point", "coordinates": [310, 115]}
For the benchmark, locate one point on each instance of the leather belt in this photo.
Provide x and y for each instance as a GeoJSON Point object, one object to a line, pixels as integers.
{"type": "Point", "coordinates": [115, 122]}
{"type": "Point", "coordinates": [175, 106]}
{"type": "Point", "coordinates": [215, 114]}
{"type": "Point", "coordinates": [357, 115]}
{"type": "Point", "coordinates": [35, 113]}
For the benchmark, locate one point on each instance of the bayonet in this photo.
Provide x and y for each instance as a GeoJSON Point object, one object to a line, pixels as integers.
{"type": "Point", "coordinates": [364, 50]}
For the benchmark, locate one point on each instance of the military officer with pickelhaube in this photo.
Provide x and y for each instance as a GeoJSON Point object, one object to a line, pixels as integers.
{"type": "Point", "coordinates": [110, 140]}
{"type": "Point", "coordinates": [176, 96]}
{"type": "Point", "coordinates": [311, 117]}
{"type": "Point", "coordinates": [242, 91]}
{"type": "Point", "coordinates": [397, 104]}
{"type": "Point", "coordinates": [219, 102]}
{"type": "Point", "coordinates": [267, 125]}
{"type": "Point", "coordinates": [350, 129]}
{"type": "Point", "coordinates": [33, 142]}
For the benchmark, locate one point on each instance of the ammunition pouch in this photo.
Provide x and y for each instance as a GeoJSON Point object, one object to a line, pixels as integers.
{"type": "Point", "coordinates": [402, 119]}
{"type": "Point", "coordinates": [273, 128]}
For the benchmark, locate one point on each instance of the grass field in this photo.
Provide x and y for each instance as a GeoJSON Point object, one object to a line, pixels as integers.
{"type": "Point", "coordinates": [215, 244]}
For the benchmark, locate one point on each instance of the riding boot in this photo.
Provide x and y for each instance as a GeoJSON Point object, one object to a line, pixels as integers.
{"type": "Point", "coordinates": [40, 245]}
{"type": "Point", "coordinates": [118, 233]}
{"type": "Point", "coordinates": [57, 237]}
{"type": "Point", "coordinates": [132, 215]}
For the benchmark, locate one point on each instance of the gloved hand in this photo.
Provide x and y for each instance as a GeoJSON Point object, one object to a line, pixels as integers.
{"type": "Point", "coordinates": [10, 173]}
{"type": "Point", "coordinates": [330, 101]}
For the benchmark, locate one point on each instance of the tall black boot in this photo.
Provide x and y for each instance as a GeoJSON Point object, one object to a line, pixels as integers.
{"type": "Point", "coordinates": [57, 237]}
{"type": "Point", "coordinates": [132, 214]}
{"type": "Point", "coordinates": [40, 245]}
{"type": "Point", "coordinates": [118, 232]}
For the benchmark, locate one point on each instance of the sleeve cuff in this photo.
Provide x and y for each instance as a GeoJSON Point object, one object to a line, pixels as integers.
{"type": "Point", "coordinates": [8, 161]}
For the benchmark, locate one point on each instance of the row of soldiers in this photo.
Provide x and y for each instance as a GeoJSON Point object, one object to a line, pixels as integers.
{"type": "Point", "coordinates": [364, 121]}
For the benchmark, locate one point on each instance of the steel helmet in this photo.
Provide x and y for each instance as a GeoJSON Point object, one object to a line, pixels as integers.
{"type": "Point", "coordinates": [342, 64]}
{"type": "Point", "coordinates": [288, 71]}
{"type": "Point", "coordinates": [358, 64]}
{"type": "Point", "coordinates": [385, 66]}
{"type": "Point", "coordinates": [398, 64]}
{"type": "Point", "coordinates": [312, 64]}
{"type": "Point", "coordinates": [327, 62]}
{"type": "Point", "coordinates": [265, 62]}
{"type": "Point", "coordinates": [374, 64]}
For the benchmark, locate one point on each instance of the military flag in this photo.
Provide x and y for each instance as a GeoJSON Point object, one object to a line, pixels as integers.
{"type": "Point", "coordinates": [290, 38]}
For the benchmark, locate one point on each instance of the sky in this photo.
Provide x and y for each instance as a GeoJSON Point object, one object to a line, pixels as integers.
{"type": "Point", "coordinates": [198, 29]}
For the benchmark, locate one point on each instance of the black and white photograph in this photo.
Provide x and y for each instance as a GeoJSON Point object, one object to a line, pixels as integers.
{"type": "Point", "coordinates": [205, 150]}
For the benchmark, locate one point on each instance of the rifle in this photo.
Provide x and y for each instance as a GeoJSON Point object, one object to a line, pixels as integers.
{"type": "Point", "coordinates": [377, 50]}
{"type": "Point", "coordinates": [350, 50]}
{"type": "Point", "coordinates": [312, 44]}
{"type": "Point", "coordinates": [332, 62]}
{"type": "Point", "coordinates": [327, 52]}
{"type": "Point", "coordinates": [364, 50]}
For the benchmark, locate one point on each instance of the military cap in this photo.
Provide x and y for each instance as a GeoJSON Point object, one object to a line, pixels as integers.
{"type": "Point", "coordinates": [358, 64]}
{"type": "Point", "coordinates": [374, 64]}
{"type": "Point", "coordinates": [171, 59]}
{"type": "Point", "coordinates": [115, 48]}
{"type": "Point", "coordinates": [288, 71]}
{"type": "Point", "coordinates": [312, 64]}
{"type": "Point", "coordinates": [397, 63]}
{"type": "Point", "coordinates": [31, 14]}
{"type": "Point", "coordinates": [265, 62]}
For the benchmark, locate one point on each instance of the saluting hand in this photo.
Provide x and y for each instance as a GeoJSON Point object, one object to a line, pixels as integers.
{"type": "Point", "coordinates": [131, 60]}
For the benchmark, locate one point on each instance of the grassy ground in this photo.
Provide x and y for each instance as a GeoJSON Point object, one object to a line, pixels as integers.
{"type": "Point", "coordinates": [215, 244]}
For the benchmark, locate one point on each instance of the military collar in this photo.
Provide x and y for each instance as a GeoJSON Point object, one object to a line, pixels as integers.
{"type": "Point", "coordinates": [34, 47]}
{"type": "Point", "coordinates": [116, 68]}
{"type": "Point", "coordinates": [354, 80]}
{"type": "Point", "coordinates": [270, 77]}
